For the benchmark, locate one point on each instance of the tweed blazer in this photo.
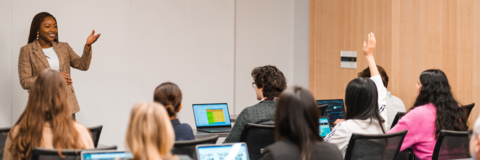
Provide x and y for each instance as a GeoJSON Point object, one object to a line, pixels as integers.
{"type": "Point", "coordinates": [33, 61]}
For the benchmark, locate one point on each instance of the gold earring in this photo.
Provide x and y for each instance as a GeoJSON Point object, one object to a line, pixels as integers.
{"type": "Point", "coordinates": [38, 34]}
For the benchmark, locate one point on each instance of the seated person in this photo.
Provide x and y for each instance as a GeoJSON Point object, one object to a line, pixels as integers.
{"type": "Point", "coordinates": [150, 134]}
{"type": "Point", "coordinates": [268, 82]}
{"type": "Point", "coordinates": [365, 104]}
{"type": "Point", "coordinates": [435, 109]}
{"type": "Point", "coordinates": [475, 140]}
{"type": "Point", "coordinates": [394, 103]}
{"type": "Point", "coordinates": [296, 129]}
{"type": "Point", "coordinates": [46, 121]}
{"type": "Point", "coordinates": [169, 95]}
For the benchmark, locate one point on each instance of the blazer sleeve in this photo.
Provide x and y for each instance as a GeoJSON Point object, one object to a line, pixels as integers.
{"type": "Point", "coordinates": [81, 63]}
{"type": "Point", "coordinates": [25, 69]}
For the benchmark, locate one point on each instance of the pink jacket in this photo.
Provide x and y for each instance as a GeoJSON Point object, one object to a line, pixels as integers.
{"type": "Point", "coordinates": [420, 123]}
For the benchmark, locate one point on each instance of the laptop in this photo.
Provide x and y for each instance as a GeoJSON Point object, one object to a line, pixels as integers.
{"type": "Point", "coordinates": [397, 118]}
{"type": "Point", "coordinates": [105, 155]}
{"type": "Point", "coordinates": [334, 111]}
{"type": "Point", "coordinates": [324, 127]}
{"type": "Point", "coordinates": [212, 117]}
{"type": "Point", "coordinates": [228, 151]}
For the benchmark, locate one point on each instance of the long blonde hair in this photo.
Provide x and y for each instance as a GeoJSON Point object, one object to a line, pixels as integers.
{"type": "Point", "coordinates": [47, 103]}
{"type": "Point", "coordinates": [150, 134]}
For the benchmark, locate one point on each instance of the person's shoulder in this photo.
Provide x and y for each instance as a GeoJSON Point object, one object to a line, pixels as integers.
{"type": "Point", "coordinates": [185, 126]}
{"type": "Point", "coordinates": [325, 150]}
{"type": "Point", "coordinates": [81, 128]}
{"type": "Point", "coordinates": [327, 147]}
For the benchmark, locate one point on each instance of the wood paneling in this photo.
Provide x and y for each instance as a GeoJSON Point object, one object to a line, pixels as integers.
{"type": "Point", "coordinates": [412, 36]}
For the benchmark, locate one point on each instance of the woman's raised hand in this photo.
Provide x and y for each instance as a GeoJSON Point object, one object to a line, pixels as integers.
{"type": "Point", "coordinates": [369, 47]}
{"type": "Point", "coordinates": [93, 38]}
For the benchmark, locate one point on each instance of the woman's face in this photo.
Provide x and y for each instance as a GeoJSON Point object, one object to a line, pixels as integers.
{"type": "Point", "coordinates": [48, 29]}
{"type": "Point", "coordinates": [419, 86]}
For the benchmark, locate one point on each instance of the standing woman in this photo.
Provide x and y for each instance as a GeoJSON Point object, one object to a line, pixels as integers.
{"type": "Point", "coordinates": [43, 51]}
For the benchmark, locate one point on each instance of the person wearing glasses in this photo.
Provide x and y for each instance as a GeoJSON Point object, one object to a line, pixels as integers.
{"type": "Point", "coordinates": [475, 140]}
{"type": "Point", "coordinates": [268, 82]}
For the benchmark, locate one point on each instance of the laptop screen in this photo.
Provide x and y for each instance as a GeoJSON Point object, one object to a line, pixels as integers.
{"type": "Point", "coordinates": [236, 151]}
{"type": "Point", "coordinates": [324, 127]}
{"type": "Point", "coordinates": [208, 115]}
{"type": "Point", "coordinates": [334, 111]}
{"type": "Point", "coordinates": [106, 155]}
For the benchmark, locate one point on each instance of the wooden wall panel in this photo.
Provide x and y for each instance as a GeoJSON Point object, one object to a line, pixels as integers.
{"type": "Point", "coordinates": [412, 36]}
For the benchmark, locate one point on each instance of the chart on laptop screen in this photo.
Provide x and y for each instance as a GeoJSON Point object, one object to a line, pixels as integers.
{"type": "Point", "coordinates": [211, 114]}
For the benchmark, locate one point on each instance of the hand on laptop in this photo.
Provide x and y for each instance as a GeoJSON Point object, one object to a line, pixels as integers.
{"type": "Point", "coordinates": [338, 121]}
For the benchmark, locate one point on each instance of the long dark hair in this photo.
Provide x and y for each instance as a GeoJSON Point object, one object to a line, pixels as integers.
{"type": "Point", "coordinates": [36, 22]}
{"type": "Point", "coordinates": [170, 96]}
{"type": "Point", "coordinates": [437, 90]}
{"type": "Point", "coordinates": [361, 100]}
{"type": "Point", "coordinates": [296, 119]}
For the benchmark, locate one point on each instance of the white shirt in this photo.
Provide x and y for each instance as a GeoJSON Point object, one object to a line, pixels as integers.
{"type": "Point", "coordinates": [395, 105]}
{"type": "Point", "coordinates": [341, 133]}
{"type": "Point", "coordinates": [52, 58]}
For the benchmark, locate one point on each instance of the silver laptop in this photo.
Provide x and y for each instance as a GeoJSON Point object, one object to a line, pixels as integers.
{"type": "Point", "coordinates": [229, 151]}
{"type": "Point", "coordinates": [106, 155]}
{"type": "Point", "coordinates": [212, 117]}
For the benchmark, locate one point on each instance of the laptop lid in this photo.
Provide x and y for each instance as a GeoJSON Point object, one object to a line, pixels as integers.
{"type": "Point", "coordinates": [334, 111]}
{"type": "Point", "coordinates": [324, 126]}
{"type": "Point", "coordinates": [105, 155]}
{"type": "Point", "coordinates": [229, 151]}
{"type": "Point", "coordinates": [211, 115]}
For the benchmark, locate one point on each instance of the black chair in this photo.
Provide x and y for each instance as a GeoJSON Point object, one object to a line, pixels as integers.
{"type": "Point", "coordinates": [257, 137]}
{"type": "Point", "coordinates": [398, 116]}
{"type": "Point", "coordinates": [188, 147]}
{"type": "Point", "coordinates": [96, 131]}
{"type": "Point", "coordinates": [70, 154]}
{"type": "Point", "coordinates": [451, 145]}
{"type": "Point", "coordinates": [467, 109]}
{"type": "Point", "coordinates": [3, 138]}
{"type": "Point", "coordinates": [322, 109]}
{"type": "Point", "coordinates": [375, 147]}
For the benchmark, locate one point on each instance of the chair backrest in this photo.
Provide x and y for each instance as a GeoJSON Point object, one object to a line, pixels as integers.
{"type": "Point", "coordinates": [70, 154]}
{"type": "Point", "coordinates": [451, 145]}
{"type": "Point", "coordinates": [96, 131]}
{"type": "Point", "coordinates": [3, 138]}
{"type": "Point", "coordinates": [467, 109]}
{"type": "Point", "coordinates": [322, 108]}
{"type": "Point", "coordinates": [397, 118]}
{"type": "Point", "coordinates": [375, 147]}
{"type": "Point", "coordinates": [188, 147]}
{"type": "Point", "coordinates": [257, 137]}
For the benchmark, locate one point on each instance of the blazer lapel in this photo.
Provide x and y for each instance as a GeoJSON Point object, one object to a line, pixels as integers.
{"type": "Point", "coordinates": [58, 51]}
{"type": "Point", "coordinates": [37, 49]}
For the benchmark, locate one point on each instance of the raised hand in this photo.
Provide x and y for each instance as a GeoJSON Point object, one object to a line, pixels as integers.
{"type": "Point", "coordinates": [92, 38]}
{"type": "Point", "coordinates": [369, 47]}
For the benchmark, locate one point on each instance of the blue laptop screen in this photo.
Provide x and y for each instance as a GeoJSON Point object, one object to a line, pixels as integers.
{"type": "Point", "coordinates": [211, 115]}
{"type": "Point", "coordinates": [237, 151]}
{"type": "Point", "coordinates": [107, 155]}
{"type": "Point", "coordinates": [324, 127]}
{"type": "Point", "coordinates": [334, 111]}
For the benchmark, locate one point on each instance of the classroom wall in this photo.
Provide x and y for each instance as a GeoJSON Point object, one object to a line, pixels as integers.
{"type": "Point", "coordinates": [412, 36]}
{"type": "Point", "coordinates": [207, 47]}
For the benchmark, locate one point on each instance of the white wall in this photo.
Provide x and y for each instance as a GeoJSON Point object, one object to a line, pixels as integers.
{"type": "Point", "coordinates": [207, 47]}
{"type": "Point", "coordinates": [5, 63]}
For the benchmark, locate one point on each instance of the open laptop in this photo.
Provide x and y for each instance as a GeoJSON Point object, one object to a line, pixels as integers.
{"type": "Point", "coordinates": [105, 155]}
{"type": "Point", "coordinates": [334, 111]}
{"type": "Point", "coordinates": [323, 126]}
{"type": "Point", "coordinates": [212, 117]}
{"type": "Point", "coordinates": [229, 151]}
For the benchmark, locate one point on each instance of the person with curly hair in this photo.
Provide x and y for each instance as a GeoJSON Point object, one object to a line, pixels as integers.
{"type": "Point", "coordinates": [268, 82]}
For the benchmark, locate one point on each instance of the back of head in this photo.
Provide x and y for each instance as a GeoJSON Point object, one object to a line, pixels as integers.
{"type": "Point", "coordinates": [361, 100]}
{"type": "Point", "coordinates": [366, 73]}
{"type": "Point", "coordinates": [169, 95]}
{"type": "Point", "coordinates": [47, 104]}
{"type": "Point", "coordinates": [436, 90]}
{"type": "Point", "coordinates": [270, 79]}
{"type": "Point", "coordinates": [296, 119]}
{"type": "Point", "coordinates": [149, 134]}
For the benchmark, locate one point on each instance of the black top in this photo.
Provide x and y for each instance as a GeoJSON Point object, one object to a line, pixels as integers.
{"type": "Point", "coordinates": [183, 131]}
{"type": "Point", "coordinates": [286, 150]}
